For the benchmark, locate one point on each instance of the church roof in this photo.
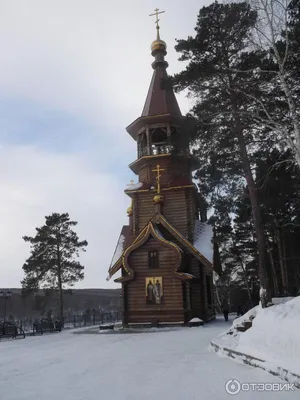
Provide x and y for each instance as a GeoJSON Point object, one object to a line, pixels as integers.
{"type": "Point", "coordinates": [125, 239]}
{"type": "Point", "coordinates": [158, 218]}
{"type": "Point", "coordinates": [203, 236]}
{"type": "Point", "coordinates": [160, 98]}
{"type": "Point", "coordinates": [154, 225]}
{"type": "Point", "coordinates": [161, 105]}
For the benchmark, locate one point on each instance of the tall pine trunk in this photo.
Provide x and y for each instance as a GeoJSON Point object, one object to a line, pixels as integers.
{"type": "Point", "coordinates": [274, 274]}
{"type": "Point", "coordinates": [247, 284]}
{"type": "Point", "coordinates": [264, 293]}
{"type": "Point", "coordinates": [285, 263]}
{"type": "Point", "coordinates": [61, 300]}
{"type": "Point", "coordinates": [281, 262]}
{"type": "Point", "coordinates": [60, 287]}
{"type": "Point", "coordinates": [218, 298]}
{"type": "Point", "coordinates": [297, 278]}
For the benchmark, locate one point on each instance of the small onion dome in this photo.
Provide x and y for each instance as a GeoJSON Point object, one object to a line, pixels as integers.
{"type": "Point", "coordinates": [129, 211]}
{"type": "Point", "coordinates": [158, 199]}
{"type": "Point", "coordinates": [158, 45]}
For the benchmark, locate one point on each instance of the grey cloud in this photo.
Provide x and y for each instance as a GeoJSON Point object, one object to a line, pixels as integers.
{"type": "Point", "coordinates": [89, 58]}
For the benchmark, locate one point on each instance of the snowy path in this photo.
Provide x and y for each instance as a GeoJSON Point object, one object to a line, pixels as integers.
{"type": "Point", "coordinates": [173, 365]}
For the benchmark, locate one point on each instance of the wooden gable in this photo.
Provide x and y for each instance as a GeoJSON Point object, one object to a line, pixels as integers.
{"type": "Point", "coordinates": [152, 229]}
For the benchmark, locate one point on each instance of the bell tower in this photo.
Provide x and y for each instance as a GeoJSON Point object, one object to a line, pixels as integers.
{"type": "Point", "coordinates": [165, 253]}
{"type": "Point", "coordinates": [162, 143]}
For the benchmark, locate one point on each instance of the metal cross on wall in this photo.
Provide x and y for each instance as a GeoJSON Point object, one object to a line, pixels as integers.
{"type": "Point", "coordinates": [158, 171]}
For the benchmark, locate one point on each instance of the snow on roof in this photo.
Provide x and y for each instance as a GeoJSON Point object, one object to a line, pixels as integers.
{"type": "Point", "coordinates": [203, 236]}
{"type": "Point", "coordinates": [119, 250]}
{"type": "Point", "coordinates": [134, 186]}
{"type": "Point", "coordinates": [190, 275]}
{"type": "Point", "coordinates": [158, 232]}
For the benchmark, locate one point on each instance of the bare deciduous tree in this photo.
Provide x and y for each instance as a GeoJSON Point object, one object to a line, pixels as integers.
{"type": "Point", "coordinates": [272, 34]}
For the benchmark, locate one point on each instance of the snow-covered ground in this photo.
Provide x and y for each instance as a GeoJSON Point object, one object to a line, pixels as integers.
{"type": "Point", "coordinates": [169, 365]}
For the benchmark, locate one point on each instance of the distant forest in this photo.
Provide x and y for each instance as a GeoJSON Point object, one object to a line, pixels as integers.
{"type": "Point", "coordinates": [46, 303]}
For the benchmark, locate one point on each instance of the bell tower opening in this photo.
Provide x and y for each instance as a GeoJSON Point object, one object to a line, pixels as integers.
{"type": "Point", "coordinates": [159, 141]}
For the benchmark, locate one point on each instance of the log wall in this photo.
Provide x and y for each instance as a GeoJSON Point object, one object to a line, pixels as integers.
{"type": "Point", "coordinates": [180, 210]}
{"type": "Point", "coordinates": [138, 311]}
{"type": "Point", "coordinates": [173, 169]}
{"type": "Point", "coordinates": [174, 209]}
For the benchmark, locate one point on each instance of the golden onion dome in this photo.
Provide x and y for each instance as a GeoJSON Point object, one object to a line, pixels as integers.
{"type": "Point", "coordinates": [158, 199]}
{"type": "Point", "coordinates": [158, 44]}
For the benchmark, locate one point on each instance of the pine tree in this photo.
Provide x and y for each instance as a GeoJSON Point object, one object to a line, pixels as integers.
{"type": "Point", "coordinates": [220, 76]}
{"type": "Point", "coordinates": [52, 263]}
{"type": "Point", "coordinates": [279, 180]}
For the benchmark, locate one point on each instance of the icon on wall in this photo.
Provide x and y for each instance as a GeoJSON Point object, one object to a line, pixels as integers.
{"type": "Point", "coordinates": [154, 290]}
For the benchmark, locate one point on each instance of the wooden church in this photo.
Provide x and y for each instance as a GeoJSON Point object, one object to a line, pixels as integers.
{"type": "Point", "coordinates": [165, 253]}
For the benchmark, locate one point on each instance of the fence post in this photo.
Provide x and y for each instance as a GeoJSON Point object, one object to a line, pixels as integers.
{"type": "Point", "coordinates": [74, 321]}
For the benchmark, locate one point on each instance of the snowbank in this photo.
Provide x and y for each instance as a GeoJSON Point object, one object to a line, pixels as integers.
{"type": "Point", "coordinates": [249, 316]}
{"type": "Point", "coordinates": [281, 300]}
{"type": "Point", "coordinates": [231, 337]}
{"type": "Point", "coordinates": [275, 335]}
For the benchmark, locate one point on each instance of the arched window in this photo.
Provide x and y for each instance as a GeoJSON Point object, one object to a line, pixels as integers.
{"type": "Point", "coordinates": [153, 259]}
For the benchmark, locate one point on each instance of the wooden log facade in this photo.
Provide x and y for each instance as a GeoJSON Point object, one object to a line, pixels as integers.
{"type": "Point", "coordinates": [172, 297]}
{"type": "Point", "coordinates": [166, 267]}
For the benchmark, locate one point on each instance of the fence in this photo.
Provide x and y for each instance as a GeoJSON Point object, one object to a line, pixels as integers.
{"type": "Point", "coordinates": [75, 321]}
{"type": "Point", "coordinates": [78, 321]}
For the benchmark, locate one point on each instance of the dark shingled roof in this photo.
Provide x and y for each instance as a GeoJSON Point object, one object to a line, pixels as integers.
{"type": "Point", "coordinates": [161, 98]}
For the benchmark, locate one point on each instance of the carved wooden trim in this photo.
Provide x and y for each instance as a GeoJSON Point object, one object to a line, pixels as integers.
{"type": "Point", "coordinates": [145, 234]}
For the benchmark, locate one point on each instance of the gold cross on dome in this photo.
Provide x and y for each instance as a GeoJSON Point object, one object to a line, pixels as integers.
{"type": "Point", "coordinates": [157, 12]}
{"type": "Point", "coordinates": [158, 171]}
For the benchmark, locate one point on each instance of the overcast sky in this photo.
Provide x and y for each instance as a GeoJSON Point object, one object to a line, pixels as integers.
{"type": "Point", "coordinates": [73, 75]}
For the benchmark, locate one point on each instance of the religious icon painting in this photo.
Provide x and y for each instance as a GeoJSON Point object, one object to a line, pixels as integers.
{"type": "Point", "coordinates": [154, 289]}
